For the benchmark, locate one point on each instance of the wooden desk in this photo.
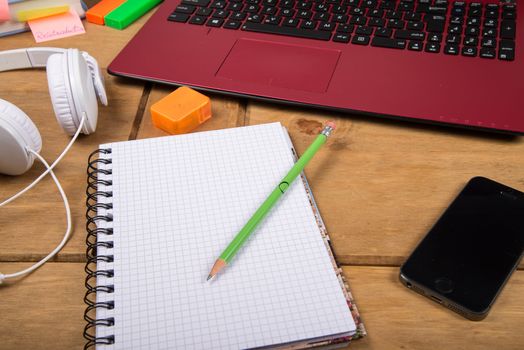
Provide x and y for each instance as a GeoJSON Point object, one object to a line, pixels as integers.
{"type": "Point", "coordinates": [380, 188]}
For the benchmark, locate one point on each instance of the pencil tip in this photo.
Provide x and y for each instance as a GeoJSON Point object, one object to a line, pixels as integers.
{"type": "Point", "coordinates": [209, 277]}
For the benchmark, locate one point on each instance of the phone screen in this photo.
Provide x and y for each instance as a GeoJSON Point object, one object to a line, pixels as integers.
{"type": "Point", "coordinates": [474, 247]}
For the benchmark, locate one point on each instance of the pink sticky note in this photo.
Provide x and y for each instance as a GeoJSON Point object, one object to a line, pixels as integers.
{"type": "Point", "coordinates": [57, 26]}
{"type": "Point", "coordinates": [4, 11]}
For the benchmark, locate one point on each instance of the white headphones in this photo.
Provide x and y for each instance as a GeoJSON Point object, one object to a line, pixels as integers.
{"type": "Point", "coordinates": [74, 80]}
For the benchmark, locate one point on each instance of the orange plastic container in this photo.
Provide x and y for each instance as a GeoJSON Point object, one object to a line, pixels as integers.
{"type": "Point", "coordinates": [181, 111]}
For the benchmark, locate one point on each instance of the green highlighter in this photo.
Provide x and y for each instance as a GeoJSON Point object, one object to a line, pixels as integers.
{"type": "Point", "coordinates": [237, 242]}
{"type": "Point", "coordinates": [128, 12]}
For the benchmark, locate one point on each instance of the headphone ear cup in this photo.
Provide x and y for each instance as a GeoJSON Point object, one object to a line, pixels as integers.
{"type": "Point", "coordinates": [60, 92]}
{"type": "Point", "coordinates": [17, 133]}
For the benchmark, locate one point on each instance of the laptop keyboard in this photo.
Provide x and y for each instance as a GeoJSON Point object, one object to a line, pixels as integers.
{"type": "Point", "coordinates": [470, 29]}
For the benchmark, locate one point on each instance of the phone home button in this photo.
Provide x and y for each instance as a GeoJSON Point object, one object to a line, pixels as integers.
{"type": "Point", "coordinates": [444, 285]}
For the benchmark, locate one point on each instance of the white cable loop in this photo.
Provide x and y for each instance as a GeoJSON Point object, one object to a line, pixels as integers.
{"type": "Point", "coordinates": [64, 197]}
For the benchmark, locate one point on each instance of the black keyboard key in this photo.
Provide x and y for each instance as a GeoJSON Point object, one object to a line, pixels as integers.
{"type": "Point", "coordinates": [252, 9]}
{"type": "Point", "coordinates": [507, 50]}
{"type": "Point", "coordinates": [220, 14]}
{"type": "Point", "coordinates": [489, 33]}
{"type": "Point", "coordinates": [360, 40]}
{"type": "Point", "coordinates": [178, 17]}
{"type": "Point", "coordinates": [509, 15]}
{"type": "Point", "coordinates": [488, 43]}
{"type": "Point", "coordinates": [345, 28]}
{"type": "Point", "coordinates": [473, 21]}
{"type": "Point", "coordinates": [291, 22]}
{"type": "Point", "coordinates": [214, 22]}
{"type": "Point", "coordinates": [269, 11]}
{"type": "Point", "coordinates": [469, 51]}
{"type": "Point", "coordinates": [406, 6]}
{"type": "Point", "coordinates": [256, 18]}
{"type": "Point", "coordinates": [487, 53]}
{"type": "Point", "coordinates": [410, 35]}
{"type": "Point", "coordinates": [304, 5]}
{"type": "Point", "coordinates": [491, 23]}
{"type": "Point", "coordinates": [423, 6]}
{"type": "Point", "coordinates": [432, 47]}
{"type": "Point", "coordinates": [369, 3]}
{"type": "Point", "coordinates": [437, 10]}
{"type": "Point", "coordinates": [326, 26]}
{"type": "Point", "coordinates": [412, 16]}
{"type": "Point", "coordinates": [322, 16]}
{"type": "Point", "coordinates": [338, 9]}
{"type": "Point", "coordinates": [451, 49]}
{"type": "Point", "coordinates": [383, 32]}
{"type": "Point", "coordinates": [356, 11]}
{"type": "Point", "coordinates": [387, 5]}
{"type": "Point", "coordinates": [204, 11]}
{"type": "Point", "coordinates": [296, 32]}
{"type": "Point", "coordinates": [435, 24]}
{"type": "Point", "coordinates": [360, 20]}
{"type": "Point", "coordinates": [341, 37]}
{"type": "Point", "coordinates": [235, 6]}
{"type": "Point", "coordinates": [456, 20]}
{"type": "Point", "coordinates": [238, 16]}
{"type": "Point", "coordinates": [396, 24]}
{"type": "Point", "coordinates": [219, 4]}
{"type": "Point", "coordinates": [273, 20]}
{"type": "Point", "coordinates": [507, 29]}
{"type": "Point", "coordinates": [491, 13]}
{"type": "Point", "coordinates": [415, 46]}
{"type": "Point", "coordinates": [376, 13]}
{"type": "Point", "coordinates": [202, 3]}
{"type": "Point", "coordinates": [362, 30]}
{"type": "Point", "coordinates": [472, 31]}
{"type": "Point", "coordinates": [198, 20]}
{"type": "Point", "coordinates": [185, 9]}
{"type": "Point", "coordinates": [377, 22]}
{"type": "Point", "coordinates": [435, 37]}
{"type": "Point", "coordinates": [388, 43]}
{"type": "Point", "coordinates": [458, 11]}
{"type": "Point", "coordinates": [475, 9]}
{"type": "Point", "coordinates": [394, 14]}
{"type": "Point", "coordinates": [471, 41]}
{"type": "Point", "coordinates": [308, 24]}
{"type": "Point", "coordinates": [453, 39]}
{"type": "Point", "coordinates": [415, 26]}
{"type": "Point", "coordinates": [455, 29]}
{"type": "Point", "coordinates": [230, 24]}
{"type": "Point", "coordinates": [287, 4]}
{"type": "Point", "coordinates": [287, 12]}
{"type": "Point", "coordinates": [304, 14]}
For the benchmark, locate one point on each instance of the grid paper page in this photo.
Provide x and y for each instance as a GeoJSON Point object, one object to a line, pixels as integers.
{"type": "Point", "coordinates": [177, 202]}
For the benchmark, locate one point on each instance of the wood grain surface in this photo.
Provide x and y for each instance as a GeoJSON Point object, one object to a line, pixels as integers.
{"type": "Point", "coordinates": [379, 184]}
{"type": "Point", "coordinates": [45, 311]}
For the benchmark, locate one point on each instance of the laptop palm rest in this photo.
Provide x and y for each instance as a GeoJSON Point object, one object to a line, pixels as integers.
{"type": "Point", "coordinates": [281, 65]}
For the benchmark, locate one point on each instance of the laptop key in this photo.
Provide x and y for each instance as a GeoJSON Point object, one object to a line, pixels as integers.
{"type": "Point", "coordinates": [451, 49]}
{"type": "Point", "coordinates": [435, 24]}
{"type": "Point", "coordinates": [220, 14]}
{"type": "Point", "coordinates": [415, 46]}
{"type": "Point", "coordinates": [178, 17]}
{"type": "Point", "coordinates": [215, 22]}
{"type": "Point", "coordinates": [308, 24]}
{"type": "Point", "coordinates": [256, 18]}
{"type": "Point", "coordinates": [469, 51]}
{"type": "Point", "coordinates": [384, 32]}
{"type": "Point", "coordinates": [232, 24]}
{"type": "Point", "coordinates": [388, 43]}
{"type": "Point", "coordinates": [345, 28]}
{"type": "Point", "coordinates": [341, 37]}
{"type": "Point", "coordinates": [360, 40]}
{"type": "Point", "coordinates": [432, 47]}
{"type": "Point", "coordinates": [204, 11]}
{"type": "Point", "coordinates": [363, 30]}
{"type": "Point", "coordinates": [507, 50]}
{"type": "Point", "coordinates": [486, 52]}
{"type": "Point", "coordinates": [291, 22]}
{"type": "Point", "coordinates": [185, 9]}
{"type": "Point", "coordinates": [238, 16]}
{"type": "Point", "coordinates": [202, 3]}
{"type": "Point", "coordinates": [198, 20]}
{"type": "Point", "coordinates": [296, 32]}
{"type": "Point", "coordinates": [507, 29]}
{"type": "Point", "coordinates": [488, 43]}
{"type": "Point", "coordinates": [409, 34]}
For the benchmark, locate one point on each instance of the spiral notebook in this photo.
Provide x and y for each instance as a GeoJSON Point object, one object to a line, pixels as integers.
{"type": "Point", "coordinates": [159, 213]}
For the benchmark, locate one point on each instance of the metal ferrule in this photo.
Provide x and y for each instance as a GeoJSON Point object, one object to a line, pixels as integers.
{"type": "Point", "coordinates": [327, 130]}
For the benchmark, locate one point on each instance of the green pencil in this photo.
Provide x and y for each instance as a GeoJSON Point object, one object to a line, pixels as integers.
{"type": "Point", "coordinates": [237, 242]}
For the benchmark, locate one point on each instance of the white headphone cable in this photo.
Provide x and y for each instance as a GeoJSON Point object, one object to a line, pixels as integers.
{"type": "Point", "coordinates": [67, 232]}
{"type": "Point", "coordinates": [37, 180]}
{"type": "Point", "coordinates": [49, 170]}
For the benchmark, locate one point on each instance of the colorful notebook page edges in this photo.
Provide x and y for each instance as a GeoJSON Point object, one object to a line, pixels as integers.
{"type": "Point", "coordinates": [128, 12]}
{"type": "Point", "coordinates": [97, 13]}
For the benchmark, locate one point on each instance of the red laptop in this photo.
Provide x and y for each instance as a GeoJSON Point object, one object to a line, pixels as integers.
{"type": "Point", "coordinates": [440, 61]}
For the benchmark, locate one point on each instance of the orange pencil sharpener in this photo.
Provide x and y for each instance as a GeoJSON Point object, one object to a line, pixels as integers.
{"type": "Point", "coordinates": [181, 111]}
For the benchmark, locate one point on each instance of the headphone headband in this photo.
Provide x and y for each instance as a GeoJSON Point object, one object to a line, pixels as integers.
{"type": "Point", "coordinates": [35, 57]}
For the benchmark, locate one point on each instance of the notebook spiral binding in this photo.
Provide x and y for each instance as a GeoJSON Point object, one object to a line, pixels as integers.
{"type": "Point", "coordinates": [93, 244]}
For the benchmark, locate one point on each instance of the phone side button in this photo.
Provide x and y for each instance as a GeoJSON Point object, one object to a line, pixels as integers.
{"type": "Point", "coordinates": [444, 285]}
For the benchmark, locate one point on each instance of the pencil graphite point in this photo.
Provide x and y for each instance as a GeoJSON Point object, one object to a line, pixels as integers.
{"type": "Point", "coordinates": [217, 267]}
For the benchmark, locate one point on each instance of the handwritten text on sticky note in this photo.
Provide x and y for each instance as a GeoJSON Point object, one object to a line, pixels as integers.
{"type": "Point", "coordinates": [57, 26]}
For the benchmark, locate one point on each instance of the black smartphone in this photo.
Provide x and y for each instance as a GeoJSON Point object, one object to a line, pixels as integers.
{"type": "Point", "coordinates": [469, 254]}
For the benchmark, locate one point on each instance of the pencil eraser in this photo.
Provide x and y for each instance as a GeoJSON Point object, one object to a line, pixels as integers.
{"type": "Point", "coordinates": [331, 124]}
{"type": "Point", "coordinates": [97, 13]}
{"type": "Point", "coordinates": [181, 111]}
{"type": "Point", "coordinates": [128, 12]}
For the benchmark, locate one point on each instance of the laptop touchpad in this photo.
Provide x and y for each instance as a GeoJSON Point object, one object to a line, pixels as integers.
{"type": "Point", "coordinates": [288, 66]}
